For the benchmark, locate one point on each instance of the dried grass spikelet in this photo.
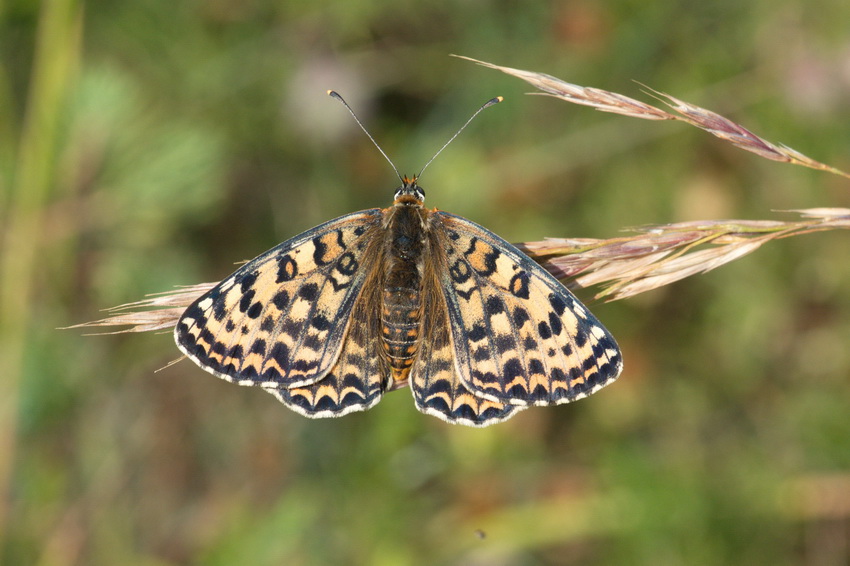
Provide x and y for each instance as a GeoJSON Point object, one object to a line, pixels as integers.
{"type": "Point", "coordinates": [706, 120]}
{"type": "Point", "coordinates": [659, 255]}
{"type": "Point", "coordinates": [160, 311]}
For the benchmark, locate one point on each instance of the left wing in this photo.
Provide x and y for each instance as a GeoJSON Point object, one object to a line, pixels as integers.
{"type": "Point", "coordinates": [280, 320]}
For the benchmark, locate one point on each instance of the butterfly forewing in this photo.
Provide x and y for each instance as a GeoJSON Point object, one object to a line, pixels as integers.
{"type": "Point", "coordinates": [280, 320]}
{"type": "Point", "coordinates": [519, 336]}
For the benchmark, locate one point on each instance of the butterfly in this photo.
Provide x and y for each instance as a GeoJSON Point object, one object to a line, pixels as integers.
{"type": "Point", "coordinates": [376, 300]}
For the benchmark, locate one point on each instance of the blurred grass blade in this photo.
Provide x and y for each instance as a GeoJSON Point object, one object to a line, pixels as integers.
{"type": "Point", "coordinates": [55, 63]}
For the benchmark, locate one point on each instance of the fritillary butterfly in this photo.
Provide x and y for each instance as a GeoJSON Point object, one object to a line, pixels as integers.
{"type": "Point", "coordinates": [375, 300]}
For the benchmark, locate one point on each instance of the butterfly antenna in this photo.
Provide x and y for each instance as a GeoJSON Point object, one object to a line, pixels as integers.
{"type": "Point", "coordinates": [487, 104]}
{"type": "Point", "coordinates": [334, 94]}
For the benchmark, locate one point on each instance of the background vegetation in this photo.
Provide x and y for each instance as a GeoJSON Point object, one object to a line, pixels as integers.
{"type": "Point", "coordinates": [147, 144]}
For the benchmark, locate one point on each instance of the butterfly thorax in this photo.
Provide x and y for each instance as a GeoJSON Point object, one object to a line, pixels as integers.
{"type": "Point", "coordinates": [401, 310]}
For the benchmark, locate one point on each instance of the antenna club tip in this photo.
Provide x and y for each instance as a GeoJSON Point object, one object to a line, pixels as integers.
{"type": "Point", "coordinates": [332, 93]}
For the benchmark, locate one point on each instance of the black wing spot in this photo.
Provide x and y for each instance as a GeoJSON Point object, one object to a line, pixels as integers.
{"type": "Point", "coordinates": [280, 354]}
{"type": "Point", "coordinates": [558, 304]}
{"type": "Point", "coordinates": [555, 323]}
{"type": "Point", "coordinates": [205, 336]}
{"type": "Point", "coordinates": [558, 375]}
{"type": "Point", "coordinates": [290, 327]}
{"type": "Point", "coordinates": [521, 316]}
{"type": "Point", "coordinates": [505, 343]}
{"type": "Point", "coordinates": [535, 366]}
{"type": "Point", "coordinates": [481, 354]}
{"type": "Point", "coordinates": [268, 324]}
{"type": "Point", "coordinates": [309, 292]}
{"type": "Point", "coordinates": [255, 310]}
{"type": "Point", "coordinates": [494, 305]}
{"type": "Point", "coordinates": [304, 365]}
{"type": "Point", "coordinates": [489, 263]}
{"type": "Point", "coordinates": [512, 369]}
{"type": "Point", "coordinates": [465, 295]}
{"type": "Point", "coordinates": [581, 338]}
{"type": "Point", "coordinates": [247, 281]}
{"type": "Point", "coordinates": [459, 272]}
{"type": "Point", "coordinates": [271, 373]}
{"type": "Point", "coordinates": [319, 250]}
{"type": "Point", "coordinates": [312, 342]}
{"type": "Point", "coordinates": [320, 322]}
{"type": "Point", "coordinates": [473, 242]}
{"type": "Point", "coordinates": [280, 300]}
{"type": "Point", "coordinates": [218, 348]}
{"type": "Point", "coordinates": [477, 333]}
{"type": "Point", "coordinates": [287, 269]}
{"type": "Point", "coordinates": [337, 285]}
{"type": "Point", "coordinates": [519, 285]}
{"type": "Point", "coordinates": [246, 300]}
{"type": "Point", "coordinates": [218, 307]}
{"type": "Point", "coordinates": [248, 372]}
{"type": "Point", "coordinates": [347, 265]}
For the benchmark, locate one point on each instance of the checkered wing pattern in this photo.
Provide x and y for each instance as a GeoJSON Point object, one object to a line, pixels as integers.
{"type": "Point", "coordinates": [519, 337]}
{"type": "Point", "coordinates": [434, 380]}
{"type": "Point", "coordinates": [280, 320]}
{"type": "Point", "coordinates": [358, 379]}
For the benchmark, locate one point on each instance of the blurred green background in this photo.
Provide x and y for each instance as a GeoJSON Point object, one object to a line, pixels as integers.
{"type": "Point", "coordinates": [149, 144]}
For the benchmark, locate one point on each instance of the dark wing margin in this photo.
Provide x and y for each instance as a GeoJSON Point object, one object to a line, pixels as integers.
{"type": "Point", "coordinates": [519, 336]}
{"type": "Point", "coordinates": [279, 321]}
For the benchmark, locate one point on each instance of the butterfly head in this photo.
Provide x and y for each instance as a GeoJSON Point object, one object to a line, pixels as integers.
{"type": "Point", "coordinates": [409, 193]}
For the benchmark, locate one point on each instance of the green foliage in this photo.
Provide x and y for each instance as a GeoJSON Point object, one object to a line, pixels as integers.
{"type": "Point", "coordinates": [149, 144]}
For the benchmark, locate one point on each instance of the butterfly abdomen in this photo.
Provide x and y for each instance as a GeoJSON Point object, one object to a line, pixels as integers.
{"type": "Point", "coordinates": [400, 316]}
{"type": "Point", "coordinates": [401, 309]}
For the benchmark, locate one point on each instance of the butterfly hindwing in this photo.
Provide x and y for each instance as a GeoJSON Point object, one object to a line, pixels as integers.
{"type": "Point", "coordinates": [437, 389]}
{"type": "Point", "coordinates": [280, 319]}
{"type": "Point", "coordinates": [358, 379]}
{"type": "Point", "coordinates": [519, 336]}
